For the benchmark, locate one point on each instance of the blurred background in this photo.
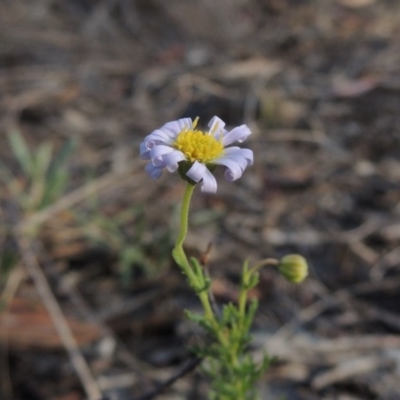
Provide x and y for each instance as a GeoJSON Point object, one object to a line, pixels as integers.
{"type": "Point", "coordinates": [91, 301]}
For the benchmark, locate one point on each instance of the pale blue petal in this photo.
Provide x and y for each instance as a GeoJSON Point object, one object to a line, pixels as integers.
{"type": "Point", "coordinates": [238, 152]}
{"type": "Point", "coordinates": [172, 159]}
{"type": "Point", "coordinates": [234, 171]}
{"type": "Point", "coordinates": [150, 142]}
{"type": "Point", "coordinates": [157, 154]}
{"type": "Point", "coordinates": [144, 152]}
{"type": "Point", "coordinates": [159, 135]}
{"type": "Point", "coordinates": [216, 126]}
{"type": "Point", "coordinates": [173, 128]}
{"type": "Point", "coordinates": [185, 123]}
{"type": "Point", "coordinates": [153, 171]}
{"type": "Point", "coordinates": [196, 171]}
{"type": "Point", "coordinates": [238, 134]}
{"type": "Point", "coordinates": [221, 134]}
{"type": "Point", "coordinates": [209, 184]}
{"type": "Point", "coordinates": [241, 161]}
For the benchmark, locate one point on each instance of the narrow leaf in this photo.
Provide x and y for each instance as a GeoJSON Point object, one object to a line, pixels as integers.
{"type": "Point", "coordinates": [21, 151]}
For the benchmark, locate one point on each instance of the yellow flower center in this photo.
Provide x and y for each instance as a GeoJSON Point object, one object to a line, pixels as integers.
{"type": "Point", "coordinates": [197, 145]}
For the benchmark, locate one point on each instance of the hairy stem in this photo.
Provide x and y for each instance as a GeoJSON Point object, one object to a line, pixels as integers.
{"type": "Point", "coordinates": [181, 259]}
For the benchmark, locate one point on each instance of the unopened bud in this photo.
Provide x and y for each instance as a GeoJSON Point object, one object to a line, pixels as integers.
{"type": "Point", "coordinates": [294, 268]}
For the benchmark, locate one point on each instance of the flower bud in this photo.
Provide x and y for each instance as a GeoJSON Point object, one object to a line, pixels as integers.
{"type": "Point", "coordinates": [294, 268]}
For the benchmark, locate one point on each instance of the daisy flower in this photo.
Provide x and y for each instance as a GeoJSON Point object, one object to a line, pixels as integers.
{"type": "Point", "coordinates": [179, 146]}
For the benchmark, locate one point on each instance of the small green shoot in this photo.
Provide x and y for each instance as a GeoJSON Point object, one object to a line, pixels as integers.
{"type": "Point", "coordinates": [41, 178]}
{"type": "Point", "coordinates": [122, 234]}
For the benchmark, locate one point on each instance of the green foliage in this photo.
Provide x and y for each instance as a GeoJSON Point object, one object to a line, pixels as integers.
{"type": "Point", "coordinates": [202, 282]}
{"type": "Point", "coordinates": [123, 235]}
{"type": "Point", "coordinates": [42, 177]}
{"type": "Point", "coordinates": [233, 371]}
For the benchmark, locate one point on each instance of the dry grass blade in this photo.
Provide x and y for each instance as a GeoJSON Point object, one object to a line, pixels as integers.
{"type": "Point", "coordinates": [78, 361]}
{"type": "Point", "coordinates": [190, 366]}
{"type": "Point", "coordinates": [9, 291]}
{"type": "Point", "coordinates": [345, 370]}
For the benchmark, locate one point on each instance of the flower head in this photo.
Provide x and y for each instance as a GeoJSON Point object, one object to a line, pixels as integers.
{"type": "Point", "coordinates": [294, 268]}
{"type": "Point", "coordinates": [178, 145]}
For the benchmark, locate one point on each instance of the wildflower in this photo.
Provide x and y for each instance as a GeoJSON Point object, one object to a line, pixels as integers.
{"type": "Point", "coordinates": [177, 145]}
{"type": "Point", "coordinates": [294, 268]}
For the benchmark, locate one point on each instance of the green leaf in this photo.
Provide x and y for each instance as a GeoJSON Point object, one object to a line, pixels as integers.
{"type": "Point", "coordinates": [250, 314]}
{"type": "Point", "coordinates": [245, 267]}
{"type": "Point", "coordinates": [21, 151]}
{"type": "Point", "coordinates": [41, 162]}
{"type": "Point", "coordinates": [61, 157]}
{"type": "Point", "coordinates": [254, 279]}
{"type": "Point", "coordinates": [199, 319]}
{"type": "Point", "coordinates": [54, 188]}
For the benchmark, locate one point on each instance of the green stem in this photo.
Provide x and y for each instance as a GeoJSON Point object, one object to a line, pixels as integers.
{"type": "Point", "coordinates": [242, 302]}
{"type": "Point", "coordinates": [263, 263]}
{"type": "Point", "coordinates": [181, 259]}
{"type": "Point", "coordinates": [208, 311]}
{"type": "Point", "coordinates": [185, 215]}
{"type": "Point", "coordinates": [178, 253]}
{"type": "Point", "coordinates": [195, 275]}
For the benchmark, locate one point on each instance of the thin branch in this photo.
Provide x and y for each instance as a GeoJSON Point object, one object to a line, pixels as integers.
{"type": "Point", "coordinates": [188, 367]}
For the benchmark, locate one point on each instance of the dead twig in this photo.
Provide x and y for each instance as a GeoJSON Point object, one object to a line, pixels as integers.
{"type": "Point", "coordinates": [188, 367]}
